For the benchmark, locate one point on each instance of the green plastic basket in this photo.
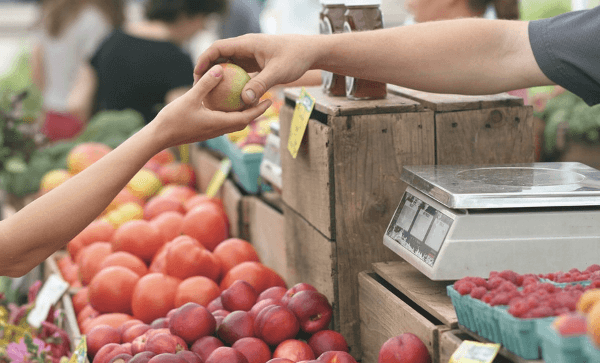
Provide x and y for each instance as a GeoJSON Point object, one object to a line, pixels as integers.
{"type": "Point", "coordinates": [559, 349]}
{"type": "Point", "coordinates": [591, 351]}
{"type": "Point", "coordinates": [520, 335]}
{"type": "Point", "coordinates": [463, 305]}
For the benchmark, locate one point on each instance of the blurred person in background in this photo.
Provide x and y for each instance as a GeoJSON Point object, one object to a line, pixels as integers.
{"type": "Point", "coordinates": [144, 65]}
{"type": "Point", "coordinates": [242, 17]}
{"type": "Point", "coordinates": [70, 33]}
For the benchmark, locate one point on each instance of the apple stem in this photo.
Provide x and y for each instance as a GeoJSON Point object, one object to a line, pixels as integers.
{"type": "Point", "coordinates": [314, 318]}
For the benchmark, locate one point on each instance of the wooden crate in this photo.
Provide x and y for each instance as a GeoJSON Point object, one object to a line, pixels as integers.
{"type": "Point", "coordinates": [265, 228]}
{"type": "Point", "coordinates": [344, 185]}
{"type": "Point", "coordinates": [343, 188]}
{"type": "Point", "coordinates": [385, 313]}
{"type": "Point", "coordinates": [494, 129]}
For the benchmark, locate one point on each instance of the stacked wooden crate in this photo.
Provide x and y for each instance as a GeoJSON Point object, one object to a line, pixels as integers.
{"type": "Point", "coordinates": [342, 189]}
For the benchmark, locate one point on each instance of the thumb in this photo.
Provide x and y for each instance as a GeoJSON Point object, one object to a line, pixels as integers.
{"type": "Point", "coordinates": [208, 81]}
{"type": "Point", "coordinates": [258, 86]}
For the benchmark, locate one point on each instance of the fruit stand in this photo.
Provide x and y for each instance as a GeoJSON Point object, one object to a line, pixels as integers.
{"type": "Point", "coordinates": [206, 256]}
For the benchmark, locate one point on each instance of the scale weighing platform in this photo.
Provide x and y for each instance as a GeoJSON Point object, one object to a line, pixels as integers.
{"type": "Point", "coordinates": [458, 221]}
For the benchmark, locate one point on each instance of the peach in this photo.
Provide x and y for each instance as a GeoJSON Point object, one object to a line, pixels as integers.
{"type": "Point", "coordinates": [142, 357]}
{"type": "Point", "coordinates": [312, 310]}
{"type": "Point", "coordinates": [160, 323]}
{"type": "Point", "coordinates": [138, 344]}
{"type": "Point", "coordinates": [254, 349]}
{"type": "Point", "coordinates": [570, 324]}
{"type": "Point", "coordinates": [216, 304]}
{"type": "Point", "coordinates": [109, 351]}
{"type": "Point", "coordinates": [405, 347]}
{"type": "Point", "coordinates": [128, 324]}
{"type": "Point", "coordinates": [239, 296]}
{"type": "Point", "coordinates": [167, 358]}
{"type": "Point", "coordinates": [336, 357]}
{"type": "Point", "coordinates": [274, 324]}
{"type": "Point", "coordinates": [100, 336]}
{"type": "Point", "coordinates": [191, 322]}
{"type": "Point", "coordinates": [302, 286]}
{"type": "Point", "coordinates": [121, 358]}
{"type": "Point", "coordinates": [84, 155]}
{"type": "Point", "coordinates": [134, 331]}
{"type": "Point", "coordinates": [159, 204]}
{"type": "Point", "coordinates": [178, 173]}
{"type": "Point", "coordinates": [295, 350]}
{"type": "Point", "coordinates": [226, 355]}
{"type": "Point", "coordinates": [280, 360]}
{"type": "Point", "coordinates": [190, 356]}
{"type": "Point", "coordinates": [164, 343]}
{"type": "Point", "coordinates": [205, 346]}
{"type": "Point", "coordinates": [327, 340]}
{"type": "Point", "coordinates": [260, 305]}
{"type": "Point", "coordinates": [275, 293]}
{"type": "Point", "coordinates": [238, 324]}
{"type": "Point", "coordinates": [220, 315]}
{"type": "Point", "coordinates": [227, 95]}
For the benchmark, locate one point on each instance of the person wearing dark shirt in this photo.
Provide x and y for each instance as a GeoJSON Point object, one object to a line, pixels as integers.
{"type": "Point", "coordinates": [143, 66]}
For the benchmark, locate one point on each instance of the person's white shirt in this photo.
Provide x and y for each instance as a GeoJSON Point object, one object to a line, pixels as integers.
{"type": "Point", "coordinates": [63, 55]}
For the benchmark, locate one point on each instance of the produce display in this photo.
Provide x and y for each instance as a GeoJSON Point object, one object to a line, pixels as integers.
{"type": "Point", "coordinates": [20, 342]}
{"type": "Point", "coordinates": [515, 309]}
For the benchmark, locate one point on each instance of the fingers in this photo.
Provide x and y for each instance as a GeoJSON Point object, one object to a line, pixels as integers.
{"type": "Point", "coordinates": [207, 82]}
{"type": "Point", "coordinates": [205, 60]}
{"type": "Point", "coordinates": [258, 85]}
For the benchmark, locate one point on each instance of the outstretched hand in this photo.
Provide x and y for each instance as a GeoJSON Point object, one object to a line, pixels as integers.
{"type": "Point", "coordinates": [278, 59]}
{"type": "Point", "coordinates": [186, 120]}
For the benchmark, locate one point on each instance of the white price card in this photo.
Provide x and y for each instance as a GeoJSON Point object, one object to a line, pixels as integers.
{"type": "Point", "coordinates": [49, 294]}
{"type": "Point", "coordinates": [475, 352]}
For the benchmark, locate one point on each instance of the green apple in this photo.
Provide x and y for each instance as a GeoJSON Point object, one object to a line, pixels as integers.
{"type": "Point", "coordinates": [227, 95]}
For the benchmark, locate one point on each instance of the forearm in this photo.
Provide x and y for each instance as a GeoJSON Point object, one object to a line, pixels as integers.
{"type": "Point", "coordinates": [61, 214]}
{"type": "Point", "coordinates": [468, 56]}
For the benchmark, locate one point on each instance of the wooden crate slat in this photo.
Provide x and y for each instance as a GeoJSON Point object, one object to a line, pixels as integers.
{"type": "Point", "coordinates": [430, 295]}
{"type": "Point", "coordinates": [310, 256]}
{"type": "Point", "coordinates": [384, 315]}
{"type": "Point", "coordinates": [449, 102]}
{"type": "Point", "coordinates": [341, 106]}
{"type": "Point", "coordinates": [370, 152]}
{"type": "Point", "coordinates": [267, 235]}
{"type": "Point", "coordinates": [309, 173]}
{"type": "Point", "coordinates": [488, 136]}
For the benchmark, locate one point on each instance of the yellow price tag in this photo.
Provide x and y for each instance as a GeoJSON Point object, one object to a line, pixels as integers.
{"type": "Point", "coordinates": [80, 352]}
{"type": "Point", "coordinates": [184, 153]}
{"type": "Point", "coordinates": [302, 112]}
{"type": "Point", "coordinates": [475, 352]}
{"type": "Point", "coordinates": [219, 178]}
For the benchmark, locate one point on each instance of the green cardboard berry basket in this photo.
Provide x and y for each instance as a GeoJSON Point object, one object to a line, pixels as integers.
{"type": "Point", "coordinates": [559, 349]}
{"type": "Point", "coordinates": [520, 336]}
{"type": "Point", "coordinates": [245, 167]}
{"type": "Point", "coordinates": [592, 352]}
{"type": "Point", "coordinates": [562, 285]}
{"type": "Point", "coordinates": [463, 305]}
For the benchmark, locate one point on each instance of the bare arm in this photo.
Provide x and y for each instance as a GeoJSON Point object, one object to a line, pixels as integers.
{"type": "Point", "coordinates": [37, 66]}
{"type": "Point", "coordinates": [48, 223]}
{"type": "Point", "coordinates": [81, 97]}
{"type": "Point", "coordinates": [468, 56]}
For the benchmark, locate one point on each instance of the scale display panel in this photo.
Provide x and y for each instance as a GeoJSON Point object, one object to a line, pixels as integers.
{"type": "Point", "coordinates": [419, 228]}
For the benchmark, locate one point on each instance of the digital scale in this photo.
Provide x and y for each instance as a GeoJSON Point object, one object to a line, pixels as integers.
{"type": "Point", "coordinates": [458, 221]}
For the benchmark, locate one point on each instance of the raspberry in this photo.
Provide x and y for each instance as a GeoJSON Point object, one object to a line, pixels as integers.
{"type": "Point", "coordinates": [593, 268]}
{"type": "Point", "coordinates": [565, 299]}
{"type": "Point", "coordinates": [530, 288]}
{"type": "Point", "coordinates": [510, 276]}
{"type": "Point", "coordinates": [529, 281]}
{"type": "Point", "coordinates": [541, 312]}
{"type": "Point", "coordinates": [493, 274]}
{"type": "Point", "coordinates": [574, 270]}
{"type": "Point", "coordinates": [518, 307]}
{"type": "Point", "coordinates": [507, 286]}
{"type": "Point", "coordinates": [478, 292]}
{"type": "Point", "coordinates": [464, 288]}
{"type": "Point", "coordinates": [494, 282]}
{"type": "Point", "coordinates": [480, 281]}
{"type": "Point", "coordinates": [547, 287]}
{"type": "Point", "coordinates": [594, 285]}
{"type": "Point", "coordinates": [501, 298]}
{"type": "Point", "coordinates": [487, 298]}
